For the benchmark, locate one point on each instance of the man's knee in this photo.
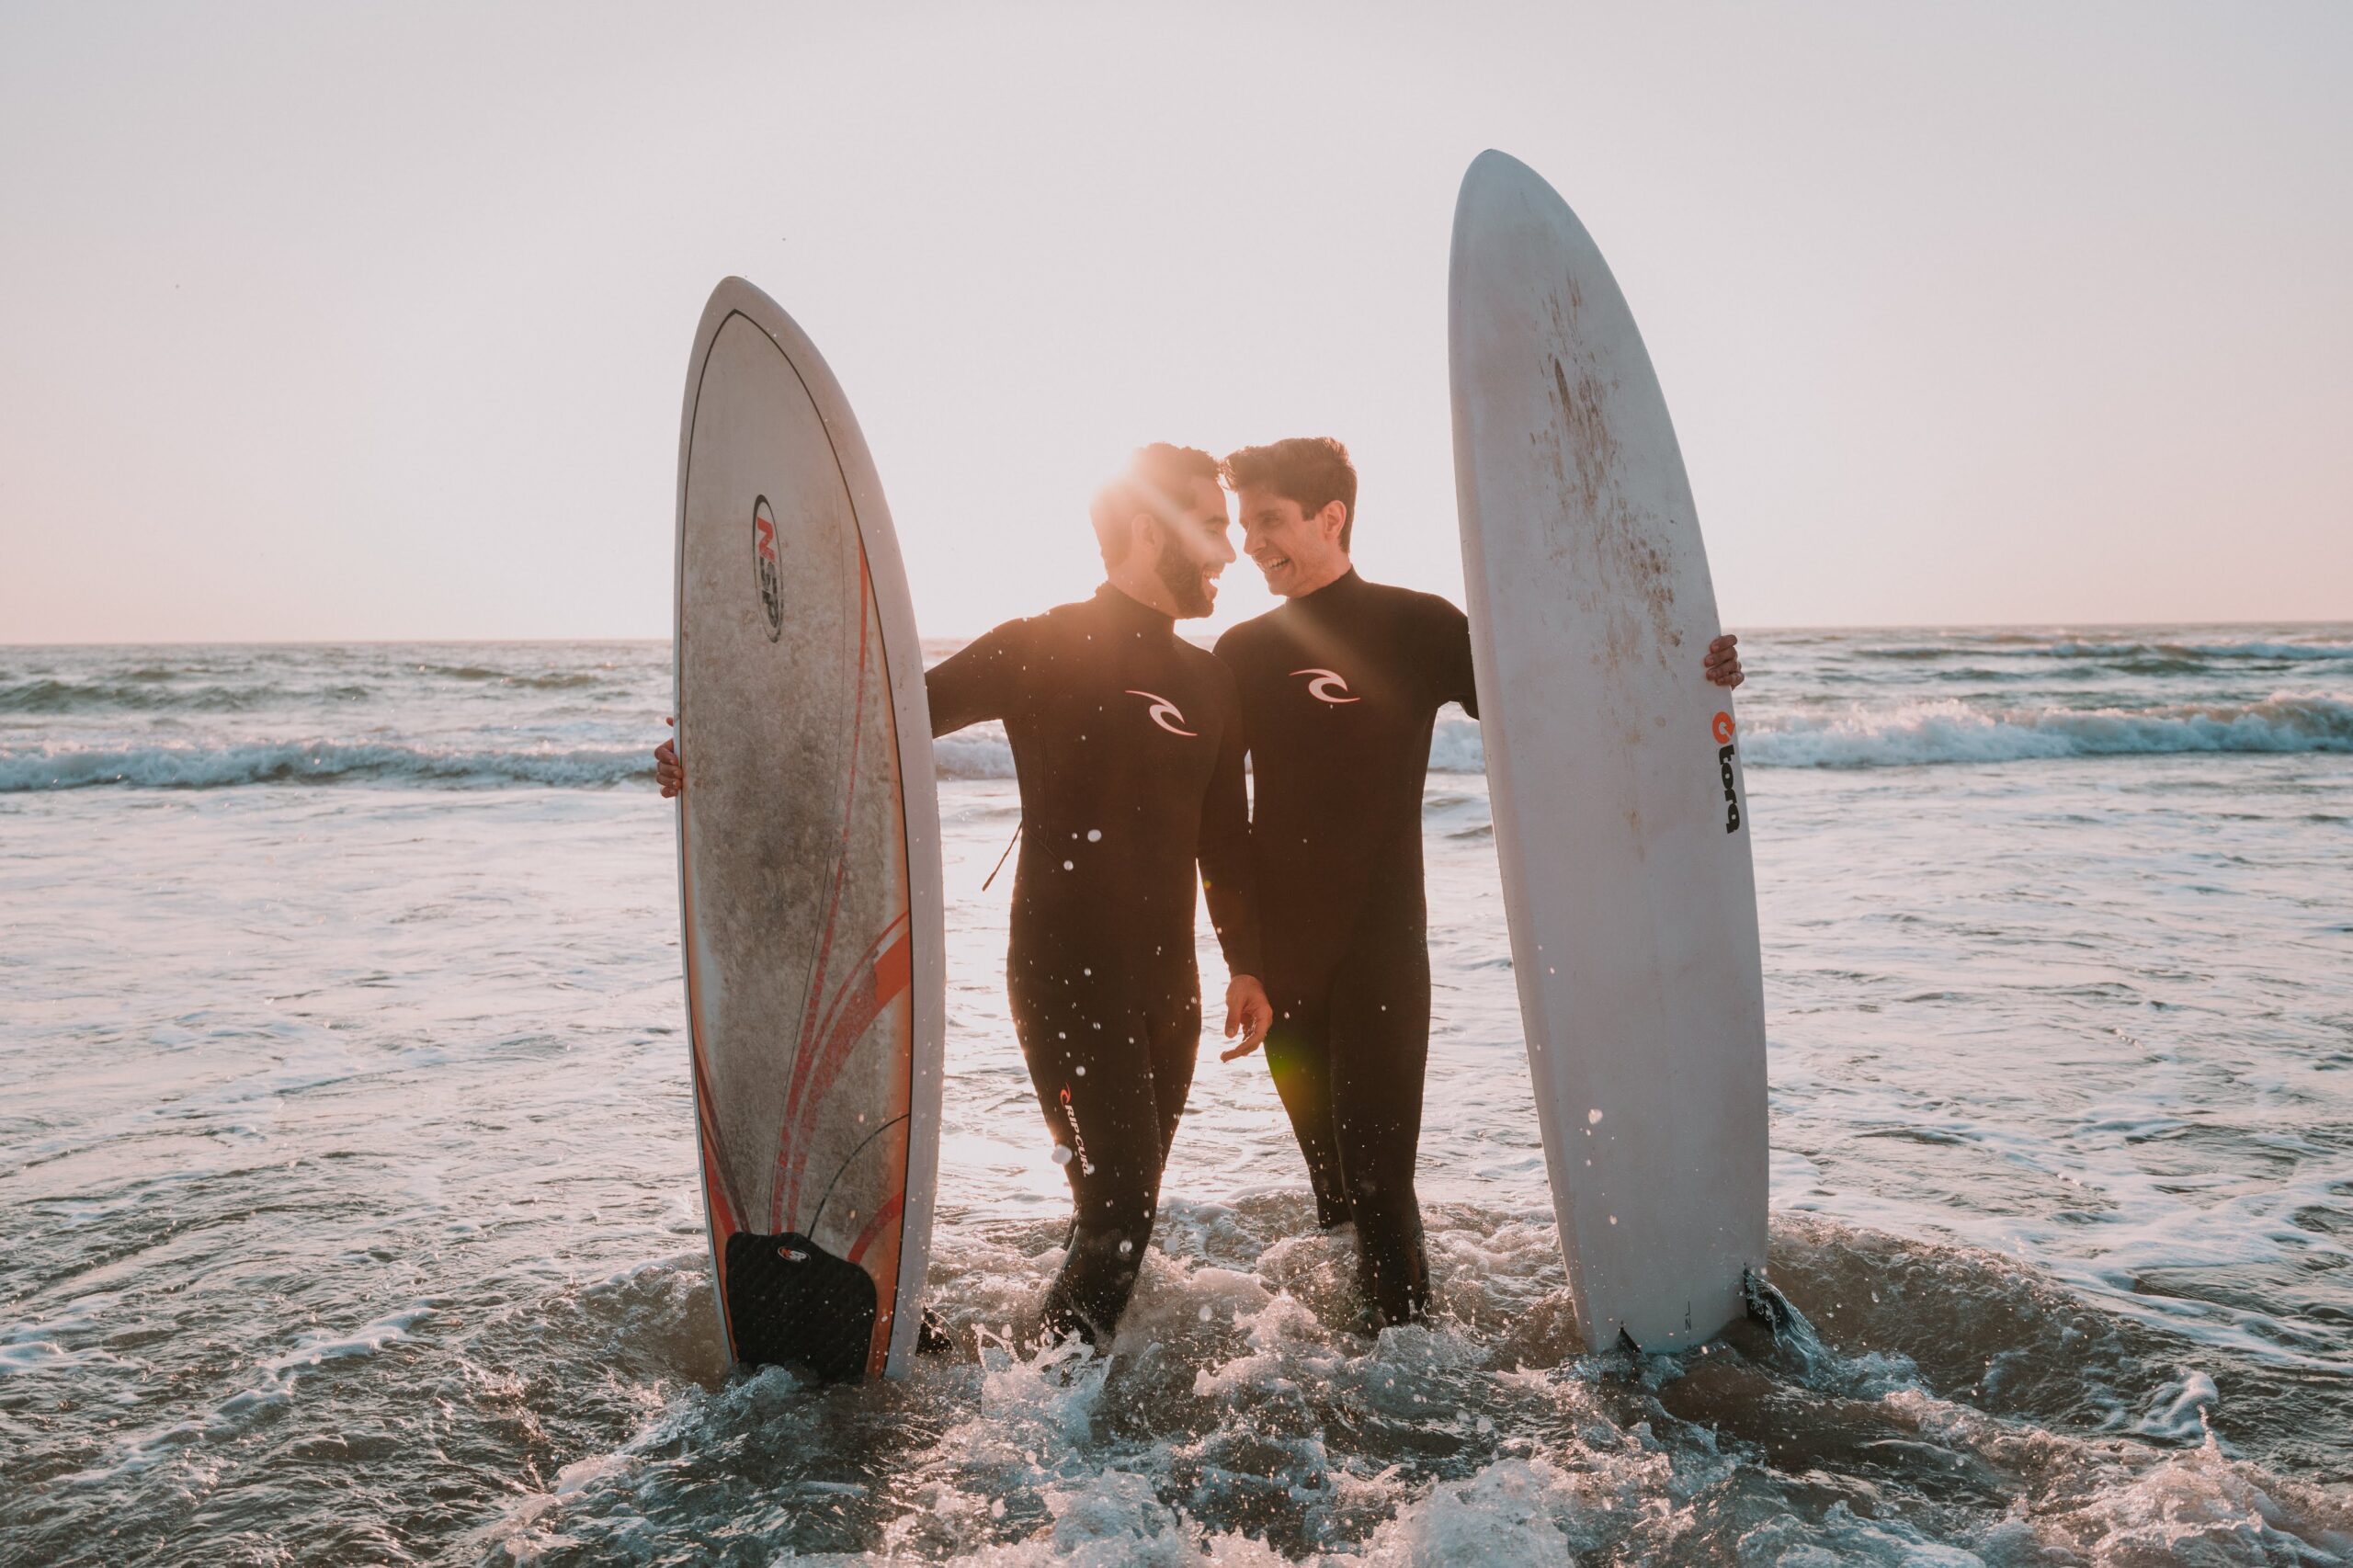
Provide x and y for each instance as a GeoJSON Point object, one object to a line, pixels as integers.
{"type": "Point", "coordinates": [1384, 1200]}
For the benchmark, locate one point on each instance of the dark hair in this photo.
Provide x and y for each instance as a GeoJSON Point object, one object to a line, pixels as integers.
{"type": "Point", "coordinates": [1154, 480]}
{"type": "Point", "coordinates": [1313, 471]}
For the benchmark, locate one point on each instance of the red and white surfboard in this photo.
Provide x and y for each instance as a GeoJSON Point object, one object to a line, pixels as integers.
{"type": "Point", "coordinates": [808, 858]}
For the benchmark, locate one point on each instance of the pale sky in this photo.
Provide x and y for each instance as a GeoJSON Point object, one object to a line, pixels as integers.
{"type": "Point", "coordinates": [325, 322]}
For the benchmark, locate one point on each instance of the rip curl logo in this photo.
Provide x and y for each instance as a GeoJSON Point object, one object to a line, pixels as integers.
{"type": "Point", "coordinates": [770, 568]}
{"type": "Point", "coordinates": [1324, 685]}
{"type": "Point", "coordinates": [1723, 730]}
{"type": "Point", "coordinates": [1078, 1143]}
{"type": "Point", "coordinates": [1162, 711]}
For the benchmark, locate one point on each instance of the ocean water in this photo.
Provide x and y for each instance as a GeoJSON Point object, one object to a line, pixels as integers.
{"type": "Point", "coordinates": [347, 1209]}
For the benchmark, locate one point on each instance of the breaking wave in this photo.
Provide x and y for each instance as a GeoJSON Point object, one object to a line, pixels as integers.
{"type": "Point", "coordinates": [245, 690]}
{"type": "Point", "coordinates": [1920, 733]}
{"type": "Point", "coordinates": [1950, 732]}
{"type": "Point", "coordinates": [195, 766]}
{"type": "Point", "coordinates": [1909, 735]}
{"type": "Point", "coordinates": [2274, 652]}
{"type": "Point", "coordinates": [2184, 654]}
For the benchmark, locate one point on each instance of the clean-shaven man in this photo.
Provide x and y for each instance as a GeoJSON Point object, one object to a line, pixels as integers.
{"type": "Point", "coordinates": [1127, 742]}
{"type": "Point", "coordinates": [1340, 687]}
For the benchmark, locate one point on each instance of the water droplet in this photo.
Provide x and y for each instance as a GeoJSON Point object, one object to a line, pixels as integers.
{"type": "Point", "coordinates": [1069, 865]}
{"type": "Point", "coordinates": [1593, 1115]}
{"type": "Point", "coordinates": [996, 1509]}
{"type": "Point", "coordinates": [1094, 836]}
{"type": "Point", "coordinates": [1082, 1072]}
{"type": "Point", "coordinates": [1613, 1219]}
{"type": "Point", "coordinates": [1062, 1156]}
{"type": "Point", "coordinates": [1205, 1314]}
{"type": "Point", "coordinates": [1126, 1247]}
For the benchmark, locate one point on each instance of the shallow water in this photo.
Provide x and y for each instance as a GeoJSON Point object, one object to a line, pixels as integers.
{"type": "Point", "coordinates": [348, 1210]}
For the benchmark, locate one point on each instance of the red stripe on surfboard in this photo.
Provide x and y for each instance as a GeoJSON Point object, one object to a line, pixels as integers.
{"type": "Point", "coordinates": [809, 1020]}
{"type": "Point", "coordinates": [805, 1065]}
{"type": "Point", "coordinates": [884, 980]}
{"type": "Point", "coordinates": [808, 1070]}
{"type": "Point", "coordinates": [885, 1216]}
{"type": "Point", "coordinates": [721, 1220]}
{"type": "Point", "coordinates": [722, 1209]}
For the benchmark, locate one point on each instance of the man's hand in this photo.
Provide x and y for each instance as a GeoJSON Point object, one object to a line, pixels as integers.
{"type": "Point", "coordinates": [1248, 1013]}
{"type": "Point", "coordinates": [1723, 661]}
{"type": "Point", "coordinates": [668, 771]}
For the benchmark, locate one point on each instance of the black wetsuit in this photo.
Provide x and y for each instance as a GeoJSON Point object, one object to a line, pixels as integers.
{"type": "Point", "coordinates": [1128, 744]}
{"type": "Point", "coordinates": [1340, 690]}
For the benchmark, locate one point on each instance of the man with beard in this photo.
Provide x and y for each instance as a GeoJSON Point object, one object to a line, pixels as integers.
{"type": "Point", "coordinates": [1340, 688]}
{"type": "Point", "coordinates": [1127, 742]}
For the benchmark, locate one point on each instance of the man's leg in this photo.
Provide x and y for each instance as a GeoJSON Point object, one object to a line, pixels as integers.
{"type": "Point", "coordinates": [1299, 1059]}
{"type": "Point", "coordinates": [1089, 1054]}
{"type": "Point", "coordinates": [1176, 1039]}
{"type": "Point", "coordinates": [1381, 1042]}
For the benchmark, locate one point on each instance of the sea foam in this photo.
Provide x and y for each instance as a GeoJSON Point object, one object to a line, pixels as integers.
{"type": "Point", "coordinates": [1946, 731]}
{"type": "Point", "coordinates": [195, 764]}
{"type": "Point", "coordinates": [1907, 734]}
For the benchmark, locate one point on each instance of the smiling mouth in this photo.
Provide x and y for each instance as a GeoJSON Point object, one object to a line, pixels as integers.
{"type": "Point", "coordinates": [1272, 564]}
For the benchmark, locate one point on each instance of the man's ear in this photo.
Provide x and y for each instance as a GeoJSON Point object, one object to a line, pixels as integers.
{"type": "Point", "coordinates": [1332, 520]}
{"type": "Point", "coordinates": [1144, 534]}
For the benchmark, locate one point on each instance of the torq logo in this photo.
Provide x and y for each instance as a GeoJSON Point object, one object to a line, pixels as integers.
{"type": "Point", "coordinates": [763, 557]}
{"type": "Point", "coordinates": [1724, 732]}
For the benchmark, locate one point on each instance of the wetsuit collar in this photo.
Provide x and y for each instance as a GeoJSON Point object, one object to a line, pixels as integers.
{"type": "Point", "coordinates": [1133, 613]}
{"type": "Point", "coordinates": [1333, 592]}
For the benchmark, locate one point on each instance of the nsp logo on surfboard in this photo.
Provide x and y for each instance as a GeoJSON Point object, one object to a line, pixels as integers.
{"type": "Point", "coordinates": [763, 557]}
{"type": "Point", "coordinates": [1724, 732]}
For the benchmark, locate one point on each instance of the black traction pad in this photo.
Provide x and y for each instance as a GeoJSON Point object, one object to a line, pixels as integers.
{"type": "Point", "coordinates": [793, 1303]}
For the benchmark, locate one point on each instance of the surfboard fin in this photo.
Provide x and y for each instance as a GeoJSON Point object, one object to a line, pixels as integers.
{"type": "Point", "coordinates": [793, 1303]}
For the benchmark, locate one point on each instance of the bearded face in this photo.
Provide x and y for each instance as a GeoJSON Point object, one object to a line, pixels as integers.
{"type": "Point", "coordinates": [1192, 581]}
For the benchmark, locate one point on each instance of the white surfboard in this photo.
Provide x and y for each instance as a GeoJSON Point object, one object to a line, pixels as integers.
{"type": "Point", "coordinates": [1614, 769]}
{"type": "Point", "coordinates": [808, 858]}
